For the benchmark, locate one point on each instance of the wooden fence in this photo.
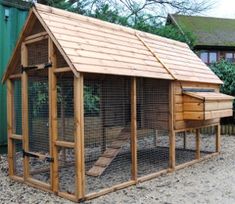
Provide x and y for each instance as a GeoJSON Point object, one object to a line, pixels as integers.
{"type": "Point", "coordinates": [228, 129]}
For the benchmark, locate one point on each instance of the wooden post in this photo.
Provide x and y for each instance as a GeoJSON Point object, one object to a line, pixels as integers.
{"type": "Point", "coordinates": [171, 128]}
{"type": "Point", "coordinates": [133, 129]}
{"type": "Point", "coordinates": [10, 111]}
{"type": "Point", "coordinates": [218, 139]}
{"type": "Point", "coordinates": [25, 117]}
{"type": "Point", "coordinates": [198, 148]}
{"type": "Point", "coordinates": [185, 139]}
{"type": "Point", "coordinates": [79, 136]}
{"type": "Point", "coordinates": [53, 132]}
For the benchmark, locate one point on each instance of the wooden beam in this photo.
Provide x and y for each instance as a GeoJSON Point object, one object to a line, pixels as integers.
{"type": "Point", "coordinates": [65, 144]}
{"type": "Point", "coordinates": [30, 37]}
{"type": "Point", "coordinates": [153, 175]}
{"type": "Point", "coordinates": [53, 130]}
{"type": "Point", "coordinates": [218, 138]}
{"type": "Point", "coordinates": [79, 136]}
{"type": "Point", "coordinates": [34, 40]}
{"type": "Point", "coordinates": [10, 108]}
{"type": "Point", "coordinates": [16, 137]}
{"type": "Point", "coordinates": [198, 148]}
{"type": "Point", "coordinates": [15, 76]}
{"type": "Point", "coordinates": [133, 129]}
{"type": "Point", "coordinates": [63, 69]}
{"type": "Point", "coordinates": [171, 128]}
{"type": "Point", "coordinates": [25, 119]}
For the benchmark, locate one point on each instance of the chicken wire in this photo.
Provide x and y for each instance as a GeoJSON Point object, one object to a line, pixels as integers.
{"type": "Point", "coordinates": [65, 121]}
{"type": "Point", "coordinates": [38, 120]}
{"type": "Point", "coordinates": [153, 123]}
{"type": "Point", "coordinates": [107, 132]}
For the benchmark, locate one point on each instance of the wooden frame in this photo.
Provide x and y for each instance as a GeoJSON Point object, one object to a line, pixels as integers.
{"type": "Point", "coordinates": [143, 46]}
{"type": "Point", "coordinates": [79, 137]}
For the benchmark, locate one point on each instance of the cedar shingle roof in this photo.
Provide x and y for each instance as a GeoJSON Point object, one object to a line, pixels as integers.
{"type": "Point", "coordinates": [95, 46]}
{"type": "Point", "coordinates": [208, 31]}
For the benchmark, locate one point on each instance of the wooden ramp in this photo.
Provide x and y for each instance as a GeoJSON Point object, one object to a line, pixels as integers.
{"type": "Point", "coordinates": [109, 154]}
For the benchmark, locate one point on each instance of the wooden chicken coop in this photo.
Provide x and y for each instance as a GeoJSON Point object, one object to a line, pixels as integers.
{"type": "Point", "coordinates": [95, 107]}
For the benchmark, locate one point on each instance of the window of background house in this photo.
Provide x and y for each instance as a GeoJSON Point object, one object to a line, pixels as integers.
{"type": "Point", "coordinates": [212, 57]}
{"type": "Point", "coordinates": [229, 56]}
{"type": "Point", "coordinates": [204, 57]}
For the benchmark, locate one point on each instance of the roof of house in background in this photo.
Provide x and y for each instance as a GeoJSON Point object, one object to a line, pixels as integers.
{"type": "Point", "coordinates": [94, 46]}
{"type": "Point", "coordinates": [208, 31]}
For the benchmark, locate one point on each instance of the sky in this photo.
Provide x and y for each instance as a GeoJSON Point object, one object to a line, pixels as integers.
{"type": "Point", "coordinates": [222, 9]}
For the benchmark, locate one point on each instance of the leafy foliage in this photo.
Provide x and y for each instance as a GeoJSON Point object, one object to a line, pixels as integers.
{"type": "Point", "coordinates": [226, 72]}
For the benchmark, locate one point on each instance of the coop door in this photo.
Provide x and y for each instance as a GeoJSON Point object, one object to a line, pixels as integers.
{"type": "Point", "coordinates": [38, 151]}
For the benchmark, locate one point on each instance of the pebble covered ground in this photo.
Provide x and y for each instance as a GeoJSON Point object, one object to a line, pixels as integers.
{"type": "Point", "coordinates": [211, 181]}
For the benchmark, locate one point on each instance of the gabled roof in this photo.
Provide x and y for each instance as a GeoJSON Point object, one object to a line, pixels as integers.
{"type": "Point", "coordinates": [94, 46]}
{"type": "Point", "coordinates": [208, 31]}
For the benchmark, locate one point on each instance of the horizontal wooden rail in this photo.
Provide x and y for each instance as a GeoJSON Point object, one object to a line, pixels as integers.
{"type": "Point", "coordinates": [65, 144]}
{"type": "Point", "coordinates": [16, 137]}
{"type": "Point", "coordinates": [35, 38]}
{"type": "Point", "coordinates": [62, 69]}
{"type": "Point", "coordinates": [15, 76]}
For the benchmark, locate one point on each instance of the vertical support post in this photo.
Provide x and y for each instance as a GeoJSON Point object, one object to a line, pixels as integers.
{"type": "Point", "coordinates": [185, 139]}
{"type": "Point", "coordinates": [79, 136]}
{"type": "Point", "coordinates": [218, 139]}
{"type": "Point", "coordinates": [133, 129]}
{"type": "Point", "coordinates": [25, 116]}
{"type": "Point", "coordinates": [10, 126]}
{"type": "Point", "coordinates": [171, 128]}
{"type": "Point", "coordinates": [53, 132]}
{"type": "Point", "coordinates": [198, 148]}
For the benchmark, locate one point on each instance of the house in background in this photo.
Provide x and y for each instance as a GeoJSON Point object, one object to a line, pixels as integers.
{"type": "Point", "coordinates": [215, 37]}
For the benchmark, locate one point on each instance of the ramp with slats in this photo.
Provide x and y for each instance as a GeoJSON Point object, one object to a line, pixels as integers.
{"type": "Point", "coordinates": [109, 154]}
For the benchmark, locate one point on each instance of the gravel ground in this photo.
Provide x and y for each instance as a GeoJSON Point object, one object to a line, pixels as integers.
{"type": "Point", "coordinates": [211, 181]}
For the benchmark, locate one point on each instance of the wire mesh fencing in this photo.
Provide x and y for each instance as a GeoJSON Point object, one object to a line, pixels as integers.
{"type": "Point", "coordinates": [208, 141]}
{"type": "Point", "coordinates": [38, 121]}
{"type": "Point", "coordinates": [152, 122]}
{"type": "Point", "coordinates": [107, 132]}
{"type": "Point", "coordinates": [185, 147]}
{"type": "Point", "coordinates": [65, 125]}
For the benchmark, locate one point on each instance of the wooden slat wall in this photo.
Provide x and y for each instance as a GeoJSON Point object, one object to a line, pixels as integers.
{"type": "Point", "coordinates": [179, 122]}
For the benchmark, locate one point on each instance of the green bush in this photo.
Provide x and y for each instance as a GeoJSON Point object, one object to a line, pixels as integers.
{"type": "Point", "coordinates": [226, 72]}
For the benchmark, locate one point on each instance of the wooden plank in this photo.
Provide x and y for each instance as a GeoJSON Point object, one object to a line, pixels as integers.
{"type": "Point", "coordinates": [36, 39]}
{"type": "Point", "coordinates": [189, 99]}
{"type": "Point", "coordinates": [79, 136]}
{"type": "Point", "coordinates": [190, 115]}
{"type": "Point", "coordinates": [133, 129]}
{"type": "Point", "coordinates": [63, 69]}
{"type": "Point", "coordinates": [16, 137]}
{"type": "Point", "coordinates": [65, 144]}
{"type": "Point", "coordinates": [171, 128]}
{"type": "Point", "coordinates": [25, 119]}
{"type": "Point", "coordinates": [15, 76]}
{"type": "Point", "coordinates": [218, 114]}
{"type": "Point", "coordinates": [10, 109]}
{"type": "Point", "coordinates": [218, 138]}
{"type": "Point", "coordinates": [53, 127]}
{"type": "Point", "coordinates": [156, 56]}
{"type": "Point", "coordinates": [218, 105]}
{"type": "Point", "coordinates": [194, 107]}
{"type": "Point", "coordinates": [103, 161]}
{"type": "Point", "coordinates": [120, 71]}
{"type": "Point", "coordinates": [153, 175]}
{"type": "Point", "coordinates": [30, 37]}
{"type": "Point", "coordinates": [198, 148]}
